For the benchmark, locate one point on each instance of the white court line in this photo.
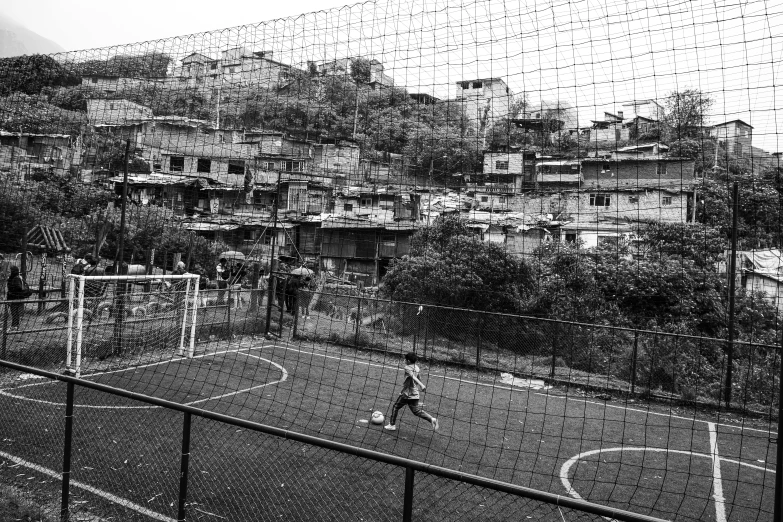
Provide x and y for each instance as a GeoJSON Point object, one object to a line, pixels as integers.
{"type": "Point", "coordinates": [717, 481]}
{"type": "Point", "coordinates": [133, 368]}
{"type": "Point", "coordinates": [95, 491]}
{"type": "Point", "coordinates": [279, 367]}
{"type": "Point", "coordinates": [6, 392]}
{"type": "Point", "coordinates": [668, 416]}
{"type": "Point", "coordinates": [566, 468]}
{"type": "Point", "coordinates": [488, 385]}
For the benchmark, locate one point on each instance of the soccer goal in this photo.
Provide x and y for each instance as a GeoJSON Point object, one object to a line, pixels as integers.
{"type": "Point", "coordinates": [130, 314]}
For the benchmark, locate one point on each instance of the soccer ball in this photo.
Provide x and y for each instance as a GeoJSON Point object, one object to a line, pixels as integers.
{"type": "Point", "coordinates": [377, 417]}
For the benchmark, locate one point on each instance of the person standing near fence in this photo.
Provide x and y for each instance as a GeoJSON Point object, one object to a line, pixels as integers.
{"type": "Point", "coordinates": [223, 273]}
{"type": "Point", "coordinates": [410, 395]}
{"type": "Point", "coordinates": [17, 291]}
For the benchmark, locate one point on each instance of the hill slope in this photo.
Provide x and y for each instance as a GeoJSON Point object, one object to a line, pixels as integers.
{"type": "Point", "coordinates": [16, 40]}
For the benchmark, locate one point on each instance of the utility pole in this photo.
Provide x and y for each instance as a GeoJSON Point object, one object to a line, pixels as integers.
{"type": "Point", "coordinates": [732, 284]}
{"type": "Point", "coordinates": [119, 297]}
{"type": "Point", "coordinates": [272, 264]}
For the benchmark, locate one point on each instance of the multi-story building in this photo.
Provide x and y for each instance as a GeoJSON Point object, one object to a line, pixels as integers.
{"type": "Point", "coordinates": [343, 67]}
{"type": "Point", "coordinates": [485, 101]}
{"type": "Point", "coordinates": [735, 134]}
{"type": "Point", "coordinates": [116, 112]}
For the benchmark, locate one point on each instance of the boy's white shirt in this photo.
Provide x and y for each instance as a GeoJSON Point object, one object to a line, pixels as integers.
{"type": "Point", "coordinates": [413, 370]}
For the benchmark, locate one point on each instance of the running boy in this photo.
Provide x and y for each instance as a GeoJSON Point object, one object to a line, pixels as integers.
{"type": "Point", "coordinates": [410, 395]}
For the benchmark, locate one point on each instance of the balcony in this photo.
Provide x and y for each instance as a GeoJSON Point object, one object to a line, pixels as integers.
{"type": "Point", "coordinates": [494, 188]}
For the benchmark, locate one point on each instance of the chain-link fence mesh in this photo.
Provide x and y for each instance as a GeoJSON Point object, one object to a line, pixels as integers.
{"type": "Point", "coordinates": [596, 357]}
{"type": "Point", "coordinates": [129, 468]}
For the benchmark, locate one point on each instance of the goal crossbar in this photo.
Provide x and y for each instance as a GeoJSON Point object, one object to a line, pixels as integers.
{"type": "Point", "coordinates": [76, 308]}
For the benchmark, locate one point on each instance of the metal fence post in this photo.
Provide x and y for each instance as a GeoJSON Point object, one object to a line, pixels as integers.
{"type": "Point", "coordinates": [64, 510]}
{"type": "Point", "coordinates": [416, 332]}
{"type": "Point", "coordinates": [426, 329]}
{"type": "Point", "coordinates": [358, 320]}
{"type": "Point", "coordinates": [271, 290]}
{"type": "Point", "coordinates": [295, 327]}
{"type": "Point", "coordinates": [5, 331]}
{"type": "Point", "coordinates": [478, 344]}
{"type": "Point", "coordinates": [229, 311]}
{"type": "Point", "coordinates": [254, 297]}
{"type": "Point", "coordinates": [633, 360]}
{"type": "Point", "coordinates": [554, 350]}
{"type": "Point", "coordinates": [407, 506]}
{"type": "Point", "coordinates": [777, 510]}
{"type": "Point", "coordinates": [183, 469]}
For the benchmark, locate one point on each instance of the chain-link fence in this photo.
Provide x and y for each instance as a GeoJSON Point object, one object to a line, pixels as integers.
{"type": "Point", "coordinates": [140, 324]}
{"type": "Point", "coordinates": [595, 357]}
{"type": "Point", "coordinates": [155, 462]}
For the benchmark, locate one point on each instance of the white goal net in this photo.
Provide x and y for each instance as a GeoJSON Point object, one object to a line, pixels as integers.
{"type": "Point", "coordinates": [136, 317]}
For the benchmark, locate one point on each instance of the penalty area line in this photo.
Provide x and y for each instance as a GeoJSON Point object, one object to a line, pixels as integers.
{"type": "Point", "coordinates": [86, 487]}
{"type": "Point", "coordinates": [179, 358]}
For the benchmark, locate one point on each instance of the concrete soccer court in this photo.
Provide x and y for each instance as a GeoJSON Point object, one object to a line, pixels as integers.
{"type": "Point", "coordinates": [657, 461]}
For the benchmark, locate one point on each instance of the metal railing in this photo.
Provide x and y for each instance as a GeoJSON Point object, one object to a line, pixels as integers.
{"type": "Point", "coordinates": [410, 466]}
{"type": "Point", "coordinates": [636, 361]}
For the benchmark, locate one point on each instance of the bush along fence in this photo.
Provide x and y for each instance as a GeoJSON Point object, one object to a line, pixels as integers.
{"type": "Point", "coordinates": [618, 360]}
{"type": "Point", "coordinates": [615, 359]}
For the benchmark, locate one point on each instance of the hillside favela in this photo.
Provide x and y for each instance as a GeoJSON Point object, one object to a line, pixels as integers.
{"type": "Point", "coordinates": [427, 261]}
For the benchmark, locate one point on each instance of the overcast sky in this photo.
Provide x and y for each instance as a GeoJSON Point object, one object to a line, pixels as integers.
{"type": "Point", "coordinates": [84, 24]}
{"type": "Point", "coordinates": [594, 55]}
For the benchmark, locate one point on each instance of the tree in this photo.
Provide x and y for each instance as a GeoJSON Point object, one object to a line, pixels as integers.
{"type": "Point", "coordinates": [20, 112]}
{"type": "Point", "coordinates": [361, 71]}
{"type": "Point", "coordinates": [685, 115]}
{"type": "Point", "coordinates": [32, 73]}
{"type": "Point", "coordinates": [147, 65]}
{"type": "Point", "coordinates": [458, 270]}
{"type": "Point", "coordinates": [697, 242]}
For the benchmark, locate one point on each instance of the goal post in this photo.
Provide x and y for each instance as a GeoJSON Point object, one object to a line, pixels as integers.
{"type": "Point", "coordinates": [148, 312]}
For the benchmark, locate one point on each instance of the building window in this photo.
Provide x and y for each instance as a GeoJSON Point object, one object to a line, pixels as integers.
{"type": "Point", "coordinates": [337, 166]}
{"type": "Point", "coordinates": [738, 149]}
{"type": "Point", "coordinates": [203, 165]}
{"type": "Point", "coordinates": [501, 200]}
{"type": "Point", "coordinates": [484, 199]}
{"type": "Point", "coordinates": [477, 85]}
{"type": "Point", "coordinates": [268, 165]}
{"type": "Point", "coordinates": [95, 80]}
{"type": "Point", "coordinates": [177, 163]}
{"type": "Point", "coordinates": [633, 199]}
{"type": "Point", "coordinates": [236, 167]}
{"type": "Point", "coordinates": [366, 202]}
{"type": "Point", "coordinates": [661, 170]}
{"type": "Point", "coordinates": [600, 200]}
{"type": "Point", "coordinates": [606, 167]}
{"type": "Point", "coordinates": [232, 69]}
{"type": "Point", "coordinates": [501, 165]}
{"type": "Point", "coordinates": [213, 66]}
{"type": "Point", "coordinates": [666, 200]}
{"type": "Point", "coordinates": [294, 166]}
{"type": "Point", "coordinates": [111, 106]}
{"type": "Point", "coordinates": [464, 85]}
{"type": "Point", "coordinates": [348, 207]}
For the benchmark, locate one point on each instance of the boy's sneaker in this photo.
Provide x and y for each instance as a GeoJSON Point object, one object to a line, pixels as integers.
{"type": "Point", "coordinates": [435, 424]}
{"type": "Point", "coordinates": [390, 427]}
